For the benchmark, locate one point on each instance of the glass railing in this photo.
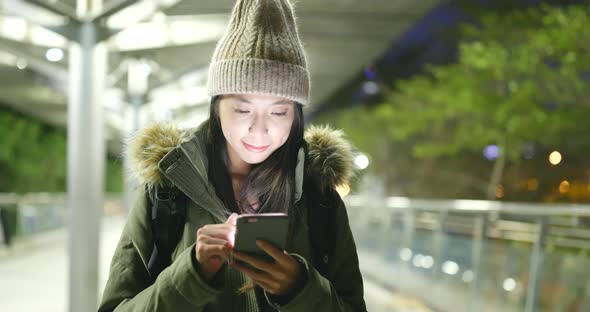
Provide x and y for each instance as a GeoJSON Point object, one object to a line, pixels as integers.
{"type": "Point", "coordinates": [465, 255]}
{"type": "Point", "coordinates": [455, 255]}
{"type": "Point", "coordinates": [30, 214]}
{"type": "Point", "coordinates": [26, 215]}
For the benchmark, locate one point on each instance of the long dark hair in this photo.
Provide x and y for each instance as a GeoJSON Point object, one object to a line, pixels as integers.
{"type": "Point", "coordinates": [271, 182]}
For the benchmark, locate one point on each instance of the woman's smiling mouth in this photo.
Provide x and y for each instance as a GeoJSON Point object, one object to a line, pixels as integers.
{"type": "Point", "coordinates": [256, 149]}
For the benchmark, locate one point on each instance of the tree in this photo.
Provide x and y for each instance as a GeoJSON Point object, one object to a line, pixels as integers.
{"type": "Point", "coordinates": [33, 157]}
{"type": "Point", "coordinates": [521, 78]}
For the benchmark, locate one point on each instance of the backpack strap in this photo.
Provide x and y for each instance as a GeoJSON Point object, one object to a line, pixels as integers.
{"type": "Point", "coordinates": [168, 215]}
{"type": "Point", "coordinates": [321, 222]}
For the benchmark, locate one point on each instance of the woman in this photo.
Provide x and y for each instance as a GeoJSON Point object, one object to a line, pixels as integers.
{"type": "Point", "coordinates": [249, 157]}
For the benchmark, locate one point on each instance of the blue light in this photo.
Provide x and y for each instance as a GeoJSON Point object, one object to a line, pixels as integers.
{"type": "Point", "coordinates": [491, 152]}
{"type": "Point", "coordinates": [369, 73]}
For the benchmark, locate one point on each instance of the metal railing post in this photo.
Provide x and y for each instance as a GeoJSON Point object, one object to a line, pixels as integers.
{"type": "Point", "coordinates": [479, 235]}
{"type": "Point", "coordinates": [536, 265]}
{"type": "Point", "coordinates": [386, 237]}
{"type": "Point", "coordinates": [409, 229]}
{"type": "Point", "coordinates": [437, 245]}
{"type": "Point", "coordinates": [3, 236]}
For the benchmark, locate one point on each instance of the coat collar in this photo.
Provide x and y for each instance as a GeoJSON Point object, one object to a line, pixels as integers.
{"type": "Point", "coordinates": [162, 154]}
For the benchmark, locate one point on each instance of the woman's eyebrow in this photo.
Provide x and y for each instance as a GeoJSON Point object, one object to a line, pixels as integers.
{"type": "Point", "coordinates": [243, 100]}
{"type": "Point", "coordinates": [280, 102]}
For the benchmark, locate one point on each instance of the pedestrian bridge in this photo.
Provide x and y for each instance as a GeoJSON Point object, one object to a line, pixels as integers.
{"type": "Point", "coordinates": [415, 254]}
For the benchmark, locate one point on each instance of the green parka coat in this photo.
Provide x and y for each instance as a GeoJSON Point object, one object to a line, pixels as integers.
{"type": "Point", "coordinates": [162, 154]}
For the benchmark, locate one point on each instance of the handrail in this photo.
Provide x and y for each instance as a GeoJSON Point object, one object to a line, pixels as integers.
{"type": "Point", "coordinates": [540, 224]}
{"type": "Point", "coordinates": [478, 206]}
{"type": "Point", "coordinates": [41, 197]}
{"type": "Point", "coordinates": [395, 202]}
{"type": "Point", "coordinates": [14, 198]}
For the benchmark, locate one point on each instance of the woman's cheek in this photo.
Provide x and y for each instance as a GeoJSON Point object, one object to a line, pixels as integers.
{"type": "Point", "coordinates": [241, 124]}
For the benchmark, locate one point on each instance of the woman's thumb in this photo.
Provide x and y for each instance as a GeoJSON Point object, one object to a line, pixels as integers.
{"type": "Point", "coordinates": [232, 234]}
{"type": "Point", "coordinates": [232, 219]}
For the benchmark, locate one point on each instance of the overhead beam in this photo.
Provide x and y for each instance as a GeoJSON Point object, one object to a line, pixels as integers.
{"type": "Point", "coordinates": [32, 12]}
{"type": "Point", "coordinates": [170, 32]}
{"type": "Point", "coordinates": [129, 13]}
{"type": "Point", "coordinates": [56, 8]}
{"type": "Point", "coordinates": [46, 68]}
{"type": "Point", "coordinates": [41, 14]}
{"type": "Point", "coordinates": [175, 77]}
{"type": "Point", "coordinates": [112, 9]}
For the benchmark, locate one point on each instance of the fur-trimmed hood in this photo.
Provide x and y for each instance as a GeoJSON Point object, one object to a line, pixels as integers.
{"type": "Point", "coordinates": [329, 153]}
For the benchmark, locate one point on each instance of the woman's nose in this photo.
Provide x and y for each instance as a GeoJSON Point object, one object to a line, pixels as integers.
{"type": "Point", "coordinates": [259, 126]}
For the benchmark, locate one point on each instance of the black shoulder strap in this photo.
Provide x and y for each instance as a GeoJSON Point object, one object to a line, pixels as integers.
{"type": "Point", "coordinates": [321, 222]}
{"type": "Point", "coordinates": [168, 215]}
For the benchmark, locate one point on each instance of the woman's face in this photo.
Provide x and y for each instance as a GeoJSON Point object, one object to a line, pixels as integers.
{"type": "Point", "coordinates": [255, 126]}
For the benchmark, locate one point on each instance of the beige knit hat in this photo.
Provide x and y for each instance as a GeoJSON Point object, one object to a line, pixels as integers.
{"type": "Point", "coordinates": [260, 53]}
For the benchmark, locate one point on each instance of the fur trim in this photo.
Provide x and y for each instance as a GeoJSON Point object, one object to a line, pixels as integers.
{"type": "Point", "coordinates": [148, 146]}
{"type": "Point", "coordinates": [330, 155]}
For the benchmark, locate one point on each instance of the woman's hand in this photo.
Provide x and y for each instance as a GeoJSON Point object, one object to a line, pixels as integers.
{"type": "Point", "coordinates": [281, 277]}
{"type": "Point", "coordinates": [213, 245]}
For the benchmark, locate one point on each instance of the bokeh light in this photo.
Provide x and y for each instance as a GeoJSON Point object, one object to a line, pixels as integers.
{"type": "Point", "coordinates": [54, 55]}
{"type": "Point", "coordinates": [361, 161]}
{"type": "Point", "coordinates": [555, 158]}
{"type": "Point", "coordinates": [500, 191]}
{"type": "Point", "coordinates": [491, 152]}
{"type": "Point", "coordinates": [564, 186]}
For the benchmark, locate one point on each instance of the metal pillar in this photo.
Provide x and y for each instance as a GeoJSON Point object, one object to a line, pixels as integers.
{"type": "Point", "coordinates": [86, 144]}
{"type": "Point", "coordinates": [129, 187]}
{"type": "Point", "coordinates": [86, 165]}
{"type": "Point", "coordinates": [137, 83]}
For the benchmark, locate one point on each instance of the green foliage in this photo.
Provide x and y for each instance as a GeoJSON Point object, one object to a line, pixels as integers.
{"type": "Point", "coordinates": [518, 80]}
{"type": "Point", "coordinates": [522, 77]}
{"type": "Point", "coordinates": [33, 157]}
{"type": "Point", "coordinates": [114, 176]}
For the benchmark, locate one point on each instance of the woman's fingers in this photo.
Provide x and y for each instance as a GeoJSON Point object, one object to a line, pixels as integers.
{"type": "Point", "coordinates": [212, 249]}
{"type": "Point", "coordinates": [253, 273]}
{"type": "Point", "coordinates": [208, 246]}
{"type": "Point", "coordinates": [204, 252]}
{"type": "Point", "coordinates": [217, 230]}
{"type": "Point", "coordinates": [269, 287]}
{"type": "Point", "coordinates": [263, 279]}
{"type": "Point", "coordinates": [213, 244]}
{"type": "Point", "coordinates": [258, 263]}
{"type": "Point", "coordinates": [277, 254]}
{"type": "Point", "coordinates": [279, 276]}
{"type": "Point", "coordinates": [210, 240]}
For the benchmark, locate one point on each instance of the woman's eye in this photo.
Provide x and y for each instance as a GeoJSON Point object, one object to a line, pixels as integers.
{"type": "Point", "coordinates": [280, 114]}
{"type": "Point", "coordinates": [239, 111]}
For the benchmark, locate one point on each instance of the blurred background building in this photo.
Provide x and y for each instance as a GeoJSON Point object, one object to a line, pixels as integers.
{"type": "Point", "coordinates": [469, 120]}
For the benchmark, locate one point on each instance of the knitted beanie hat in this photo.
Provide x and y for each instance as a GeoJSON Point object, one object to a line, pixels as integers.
{"type": "Point", "coordinates": [260, 53]}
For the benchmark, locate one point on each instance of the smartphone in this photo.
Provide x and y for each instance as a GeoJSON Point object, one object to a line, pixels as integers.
{"type": "Point", "coordinates": [270, 227]}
